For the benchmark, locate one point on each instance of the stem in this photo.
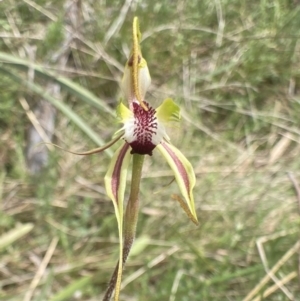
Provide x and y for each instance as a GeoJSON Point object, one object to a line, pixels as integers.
{"type": "Point", "coordinates": [130, 222]}
{"type": "Point", "coordinates": [132, 209]}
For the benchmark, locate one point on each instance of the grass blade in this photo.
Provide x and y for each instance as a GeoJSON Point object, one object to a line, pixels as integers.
{"type": "Point", "coordinates": [68, 292]}
{"type": "Point", "coordinates": [66, 110]}
{"type": "Point", "coordinates": [65, 83]}
{"type": "Point", "coordinates": [12, 235]}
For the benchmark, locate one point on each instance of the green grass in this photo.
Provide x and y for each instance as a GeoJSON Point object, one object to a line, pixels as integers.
{"type": "Point", "coordinates": [233, 66]}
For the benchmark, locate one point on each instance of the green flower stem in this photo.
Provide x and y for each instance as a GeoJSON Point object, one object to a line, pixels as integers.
{"type": "Point", "coordinates": [132, 209]}
{"type": "Point", "coordinates": [130, 222]}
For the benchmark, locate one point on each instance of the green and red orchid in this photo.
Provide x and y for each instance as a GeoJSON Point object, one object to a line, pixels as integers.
{"type": "Point", "coordinates": [143, 131]}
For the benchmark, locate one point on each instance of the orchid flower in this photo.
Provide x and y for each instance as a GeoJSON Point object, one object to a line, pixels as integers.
{"type": "Point", "coordinates": [142, 133]}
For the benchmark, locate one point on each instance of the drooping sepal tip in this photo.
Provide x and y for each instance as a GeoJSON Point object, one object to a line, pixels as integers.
{"type": "Point", "coordinates": [184, 175]}
{"type": "Point", "coordinates": [185, 208]}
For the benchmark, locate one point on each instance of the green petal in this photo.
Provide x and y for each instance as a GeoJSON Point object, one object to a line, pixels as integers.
{"type": "Point", "coordinates": [123, 113]}
{"type": "Point", "coordinates": [168, 111]}
{"type": "Point", "coordinates": [184, 175]}
{"type": "Point", "coordinates": [115, 184]}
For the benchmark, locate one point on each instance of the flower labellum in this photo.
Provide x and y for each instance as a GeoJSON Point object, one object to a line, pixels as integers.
{"type": "Point", "coordinates": [143, 130]}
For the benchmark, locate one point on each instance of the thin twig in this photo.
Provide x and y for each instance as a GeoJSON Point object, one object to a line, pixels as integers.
{"type": "Point", "coordinates": [176, 284]}
{"type": "Point", "coordinates": [41, 270]}
{"type": "Point", "coordinates": [35, 122]}
{"type": "Point", "coordinates": [275, 268]}
{"type": "Point", "coordinates": [41, 10]}
{"type": "Point", "coordinates": [118, 22]}
{"type": "Point", "coordinates": [274, 287]}
{"type": "Point", "coordinates": [297, 189]}
{"type": "Point", "coordinates": [150, 265]}
{"type": "Point", "coordinates": [278, 282]}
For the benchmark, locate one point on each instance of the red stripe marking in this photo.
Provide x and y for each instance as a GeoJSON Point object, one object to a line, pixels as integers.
{"type": "Point", "coordinates": [117, 170]}
{"type": "Point", "coordinates": [179, 165]}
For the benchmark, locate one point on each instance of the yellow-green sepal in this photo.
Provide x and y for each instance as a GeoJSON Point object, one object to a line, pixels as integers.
{"type": "Point", "coordinates": [184, 175]}
{"type": "Point", "coordinates": [136, 27]}
{"type": "Point", "coordinates": [115, 179]}
{"type": "Point", "coordinates": [115, 184]}
{"type": "Point", "coordinates": [136, 79]}
{"type": "Point", "coordinates": [168, 111]}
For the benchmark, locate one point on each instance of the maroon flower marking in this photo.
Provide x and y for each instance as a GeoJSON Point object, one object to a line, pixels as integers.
{"type": "Point", "coordinates": [145, 126]}
{"type": "Point", "coordinates": [180, 167]}
{"type": "Point", "coordinates": [115, 183]}
{"type": "Point", "coordinates": [130, 61]}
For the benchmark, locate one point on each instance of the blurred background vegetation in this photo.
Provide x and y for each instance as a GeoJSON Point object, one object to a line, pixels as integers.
{"type": "Point", "coordinates": [233, 66]}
